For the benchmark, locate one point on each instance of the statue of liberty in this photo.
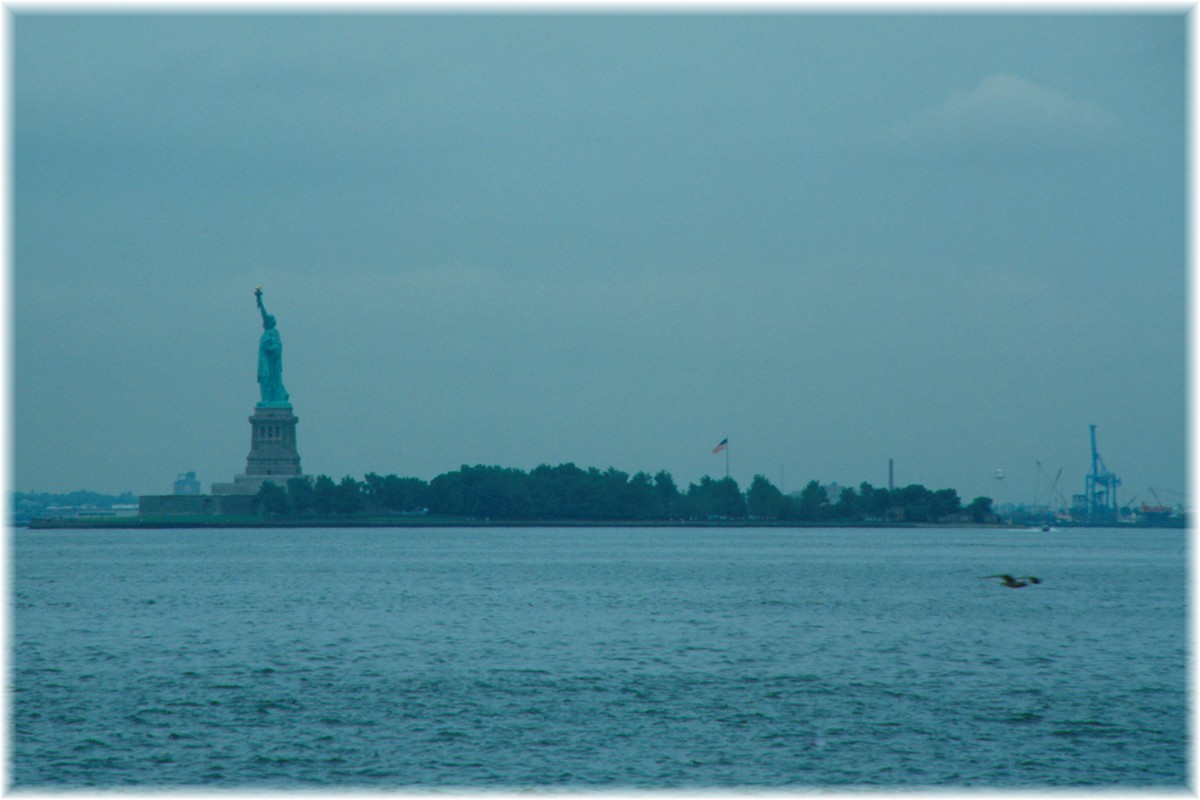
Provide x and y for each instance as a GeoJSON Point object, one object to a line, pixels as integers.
{"type": "Point", "coordinates": [270, 360]}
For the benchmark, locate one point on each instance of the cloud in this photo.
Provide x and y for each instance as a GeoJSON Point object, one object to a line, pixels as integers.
{"type": "Point", "coordinates": [1008, 110]}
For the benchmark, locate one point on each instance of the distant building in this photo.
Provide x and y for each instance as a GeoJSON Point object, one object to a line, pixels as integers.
{"type": "Point", "coordinates": [90, 511]}
{"type": "Point", "coordinates": [186, 483]}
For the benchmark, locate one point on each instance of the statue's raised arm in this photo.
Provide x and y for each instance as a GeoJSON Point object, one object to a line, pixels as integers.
{"type": "Point", "coordinates": [270, 359]}
{"type": "Point", "coordinates": [258, 299]}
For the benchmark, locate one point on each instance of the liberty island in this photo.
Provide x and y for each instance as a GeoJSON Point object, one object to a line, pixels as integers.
{"type": "Point", "coordinates": [273, 491]}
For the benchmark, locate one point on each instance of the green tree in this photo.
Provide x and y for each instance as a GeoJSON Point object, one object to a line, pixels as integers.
{"type": "Point", "coordinates": [616, 495]}
{"type": "Point", "coordinates": [848, 505]}
{"type": "Point", "coordinates": [668, 493]}
{"type": "Point", "coordinates": [555, 491]}
{"type": "Point", "coordinates": [300, 495]}
{"type": "Point", "coordinates": [944, 505]}
{"type": "Point", "coordinates": [372, 487]}
{"type": "Point", "coordinates": [324, 495]}
{"type": "Point", "coordinates": [764, 501]}
{"type": "Point", "coordinates": [496, 492]}
{"type": "Point", "coordinates": [446, 495]}
{"type": "Point", "coordinates": [568, 492]}
{"type": "Point", "coordinates": [272, 500]}
{"type": "Point", "coordinates": [403, 494]}
{"type": "Point", "coordinates": [980, 509]}
{"type": "Point", "coordinates": [873, 503]}
{"type": "Point", "coordinates": [592, 504]}
{"type": "Point", "coordinates": [640, 499]}
{"type": "Point", "coordinates": [715, 499]}
{"type": "Point", "coordinates": [732, 499]}
{"type": "Point", "coordinates": [479, 491]}
{"type": "Point", "coordinates": [814, 502]}
{"type": "Point", "coordinates": [916, 502]}
{"type": "Point", "coordinates": [348, 496]}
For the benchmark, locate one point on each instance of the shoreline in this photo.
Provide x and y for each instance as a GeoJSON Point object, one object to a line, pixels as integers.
{"type": "Point", "coordinates": [162, 523]}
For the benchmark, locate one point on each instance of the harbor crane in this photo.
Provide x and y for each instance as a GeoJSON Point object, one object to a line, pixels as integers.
{"type": "Point", "coordinates": [1053, 494]}
{"type": "Point", "coordinates": [1101, 487]}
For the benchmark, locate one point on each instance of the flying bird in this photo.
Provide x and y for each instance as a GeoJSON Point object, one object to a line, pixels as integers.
{"type": "Point", "coordinates": [1015, 583]}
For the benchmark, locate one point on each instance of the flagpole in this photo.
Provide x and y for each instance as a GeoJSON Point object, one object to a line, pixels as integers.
{"type": "Point", "coordinates": [723, 445]}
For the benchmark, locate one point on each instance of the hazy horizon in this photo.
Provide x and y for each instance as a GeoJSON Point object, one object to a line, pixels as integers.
{"type": "Point", "coordinates": [953, 240]}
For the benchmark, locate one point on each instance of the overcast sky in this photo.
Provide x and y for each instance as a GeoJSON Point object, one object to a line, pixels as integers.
{"type": "Point", "coordinates": [951, 240]}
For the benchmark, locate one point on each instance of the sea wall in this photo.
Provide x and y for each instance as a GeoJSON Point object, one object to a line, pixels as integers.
{"type": "Point", "coordinates": [200, 505]}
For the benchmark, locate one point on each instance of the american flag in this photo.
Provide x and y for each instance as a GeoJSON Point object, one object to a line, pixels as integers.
{"type": "Point", "coordinates": [724, 443]}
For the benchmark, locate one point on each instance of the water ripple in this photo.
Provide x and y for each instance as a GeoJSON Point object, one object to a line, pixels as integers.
{"type": "Point", "coordinates": [594, 659]}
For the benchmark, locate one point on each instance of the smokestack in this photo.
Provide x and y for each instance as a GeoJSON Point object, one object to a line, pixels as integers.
{"type": "Point", "coordinates": [891, 477]}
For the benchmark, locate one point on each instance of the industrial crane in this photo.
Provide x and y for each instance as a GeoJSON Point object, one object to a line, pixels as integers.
{"type": "Point", "coordinates": [1101, 486]}
{"type": "Point", "coordinates": [1053, 493]}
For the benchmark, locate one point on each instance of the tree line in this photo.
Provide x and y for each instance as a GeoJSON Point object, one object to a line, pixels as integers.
{"type": "Point", "coordinates": [567, 492]}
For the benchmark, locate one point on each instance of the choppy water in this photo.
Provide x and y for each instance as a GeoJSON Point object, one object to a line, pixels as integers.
{"type": "Point", "coordinates": [598, 658]}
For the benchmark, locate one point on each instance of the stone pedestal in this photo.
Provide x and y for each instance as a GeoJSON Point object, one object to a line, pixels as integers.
{"type": "Point", "coordinates": [273, 456]}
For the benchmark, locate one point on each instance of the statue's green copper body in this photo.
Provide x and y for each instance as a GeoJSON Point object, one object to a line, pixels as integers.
{"type": "Point", "coordinates": [270, 361]}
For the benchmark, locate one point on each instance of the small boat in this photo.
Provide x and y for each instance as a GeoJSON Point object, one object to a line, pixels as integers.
{"type": "Point", "coordinates": [1015, 583]}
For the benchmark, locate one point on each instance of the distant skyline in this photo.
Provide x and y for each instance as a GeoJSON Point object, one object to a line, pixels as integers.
{"type": "Point", "coordinates": [952, 240]}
